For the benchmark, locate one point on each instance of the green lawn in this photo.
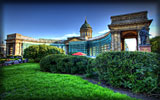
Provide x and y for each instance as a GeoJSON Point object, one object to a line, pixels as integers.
{"type": "Point", "coordinates": [27, 82]}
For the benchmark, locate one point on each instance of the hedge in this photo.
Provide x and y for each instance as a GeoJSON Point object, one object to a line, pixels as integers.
{"type": "Point", "coordinates": [2, 61]}
{"type": "Point", "coordinates": [50, 61]}
{"type": "Point", "coordinates": [155, 44]}
{"type": "Point", "coordinates": [64, 64]}
{"type": "Point", "coordinates": [37, 52]}
{"type": "Point", "coordinates": [14, 56]}
{"type": "Point", "coordinates": [138, 71]}
{"type": "Point", "coordinates": [91, 71]}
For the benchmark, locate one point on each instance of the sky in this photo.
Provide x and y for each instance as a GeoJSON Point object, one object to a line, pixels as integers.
{"type": "Point", "coordinates": [59, 21]}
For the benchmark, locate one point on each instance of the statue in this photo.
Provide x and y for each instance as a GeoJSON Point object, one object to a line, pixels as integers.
{"type": "Point", "coordinates": [143, 35]}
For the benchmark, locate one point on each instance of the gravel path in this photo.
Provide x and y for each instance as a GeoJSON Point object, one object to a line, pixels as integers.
{"type": "Point", "coordinates": [123, 91]}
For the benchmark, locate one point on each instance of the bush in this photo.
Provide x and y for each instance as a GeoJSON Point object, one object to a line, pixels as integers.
{"type": "Point", "coordinates": [37, 52]}
{"type": "Point", "coordinates": [138, 71]}
{"type": "Point", "coordinates": [2, 61]}
{"type": "Point", "coordinates": [91, 71]}
{"type": "Point", "coordinates": [14, 57]}
{"type": "Point", "coordinates": [50, 61]}
{"type": "Point", "coordinates": [64, 64]}
{"type": "Point", "coordinates": [73, 65]}
{"type": "Point", "coordinates": [155, 44]}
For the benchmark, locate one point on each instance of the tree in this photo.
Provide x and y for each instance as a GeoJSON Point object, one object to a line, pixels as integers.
{"type": "Point", "coordinates": [155, 44]}
{"type": "Point", "coordinates": [37, 52]}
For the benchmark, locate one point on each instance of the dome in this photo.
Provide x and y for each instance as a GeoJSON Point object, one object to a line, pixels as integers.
{"type": "Point", "coordinates": [86, 25]}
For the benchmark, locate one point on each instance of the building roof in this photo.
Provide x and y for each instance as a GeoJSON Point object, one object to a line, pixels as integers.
{"type": "Point", "coordinates": [86, 25]}
{"type": "Point", "coordinates": [99, 37]}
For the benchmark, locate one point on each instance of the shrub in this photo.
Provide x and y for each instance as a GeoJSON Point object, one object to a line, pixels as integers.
{"type": "Point", "coordinates": [64, 64]}
{"type": "Point", "coordinates": [50, 61]}
{"type": "Point", "coordinates": [91, 71]}
{"type": "Point", "coordinates": [37, 52]}
{"type": "Point", "coordinates": [10, 56]}
{"type": "Point", "coordinates": [155, 44]}
{"type": "Point", "coordinates": [138, 71]}
{"type": "Point", "coordinates": [2, 61]}
{"type": "Point", "coordinates": [73, 64]}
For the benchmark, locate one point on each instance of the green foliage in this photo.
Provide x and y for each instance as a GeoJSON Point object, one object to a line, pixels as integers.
{"type": "Point", "coordinates": [91, 71]}
{"type": "Point", "coordinates": [37, 52]}
{"type": "Point", "coordinates": [9, 59]}
{"type": "Point", "coordinates": [73, 65]}
{"type": "Point", "coordinates": [2, 61]}
{"type": "Point", "coordinates": [138, 71]}
{"type": "Point", "coordinates": [27, 82]}
{"type": "Point", "coordinates": [50, 61]}
{"type": "Point", "coordinates": [155, 44]}
{"type": "Point", "coordinates": [64, 64]}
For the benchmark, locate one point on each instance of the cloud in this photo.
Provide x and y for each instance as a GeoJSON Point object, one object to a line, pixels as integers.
{"type": "Point", "coordinates": [100, 33]}
{"type": "Point", "coordinates": [104, 31]}
{"type": "Point", "coordinates": [66, 36]}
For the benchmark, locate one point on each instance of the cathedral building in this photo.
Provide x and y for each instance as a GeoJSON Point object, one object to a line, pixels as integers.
{"type": "Point", "coordinates": [122, 27]}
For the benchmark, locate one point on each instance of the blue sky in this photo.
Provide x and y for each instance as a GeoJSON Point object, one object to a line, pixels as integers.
{"type": "Point", "coordinates": [62, 20]}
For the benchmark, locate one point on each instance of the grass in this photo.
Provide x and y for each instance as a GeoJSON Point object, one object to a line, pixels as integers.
{"type": "Point", "coordinates": [27, 82]}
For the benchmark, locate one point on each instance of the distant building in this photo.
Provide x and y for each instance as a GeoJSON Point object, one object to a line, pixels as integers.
{"type": "Point", "coordinates": [2, 50]}
{"type": "Point", "coordinates": [122, 27]}
{"type": "Point", "coordinates": [2, 46]}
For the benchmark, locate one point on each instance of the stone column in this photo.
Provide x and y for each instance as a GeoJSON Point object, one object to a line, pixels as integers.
{"type": "Point", "coordinates": [7, 49]}
{"type": "Point", "coordinates": [14, 49]}
{"type": "Point", "coordinates": [119, 41]}
{"type": "Point", "coordinates": [139, 40]}
{"type": "Point", "coordinates": [21, 49]}
{"type": "Point", "coordinates": [112, 42]}
{"type": "Point", "coordinates": [116, 41]}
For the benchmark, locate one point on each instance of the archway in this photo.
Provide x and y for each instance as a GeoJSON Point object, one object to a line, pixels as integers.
{"type": "Point", "coordinates": [128, 35]}
{"type": "Point", "coordinates": [128, 26]}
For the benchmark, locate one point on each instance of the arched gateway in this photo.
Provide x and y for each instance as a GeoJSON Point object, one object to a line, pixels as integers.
{"type": "Point", "coordinates": [128, 26]}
